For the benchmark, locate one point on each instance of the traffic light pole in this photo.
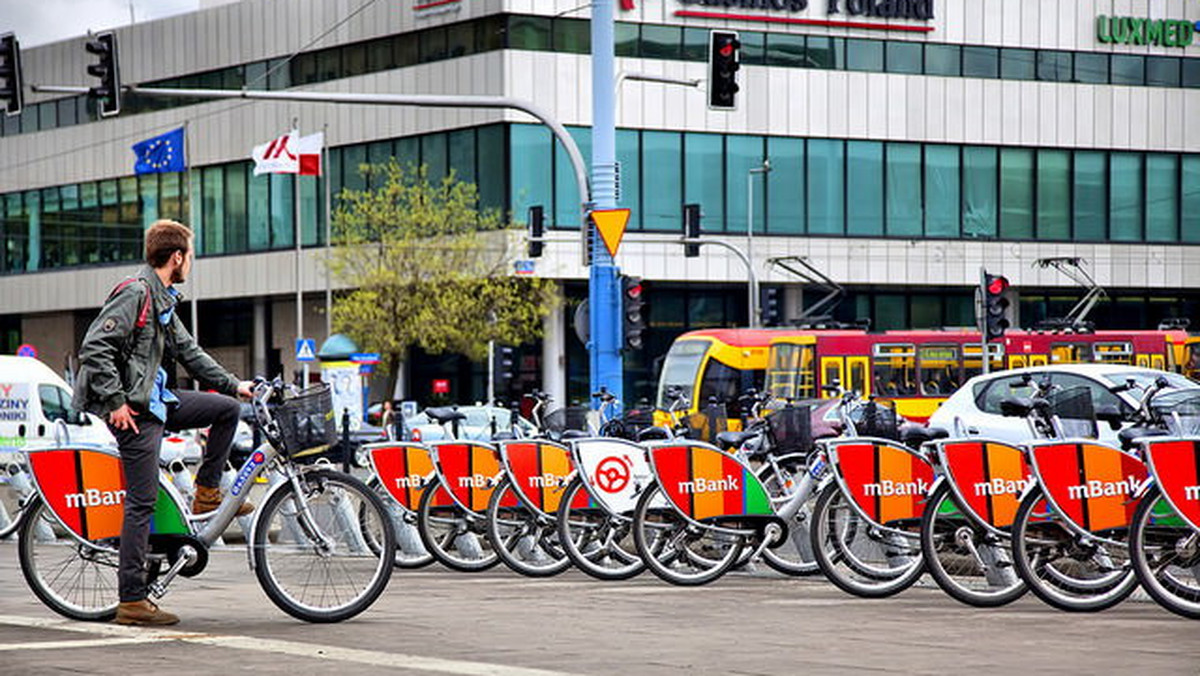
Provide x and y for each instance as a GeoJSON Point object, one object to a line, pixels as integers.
{"type": "Point", "coordinates": [604, 293]}
{"type": "Point", "coordinates": [983, 334]}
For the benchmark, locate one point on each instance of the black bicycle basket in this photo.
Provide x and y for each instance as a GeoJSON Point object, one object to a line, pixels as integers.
{"type": "Point", "coordinates": [790, 430]}
{"type": "Point", "coordinates": [1075, 411]}
{"type": "Point", "coordinates": [1180, 412]}
{"type": "Point", "coordinates": [877, 420]}
{"type": "Point", "coordinates": [306, 421]}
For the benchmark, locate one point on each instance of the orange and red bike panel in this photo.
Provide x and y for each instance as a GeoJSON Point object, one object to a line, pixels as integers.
{"type": "Point", "coordinates": [405, 469]}
{"type": "Point", "coordinates": [469, 470]}
{"type": "Point", "coordinates": [85, 489]}
{"type": "Point", "coordinates": [1091, 484]}
{"type": "Point", "coordinates": [704, 482]}
{"type": "Point", "coordinates": [885, 481]}
{"type": "Point", "coordinates": [1176, 465]}
{"type": "Point", "coordinates": [540, 471]}
{"type": "Point", "coordinates": [989, 477]}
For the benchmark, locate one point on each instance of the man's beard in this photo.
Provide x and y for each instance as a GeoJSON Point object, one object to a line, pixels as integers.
{"type": "Point", "coordinates": [177, 276]}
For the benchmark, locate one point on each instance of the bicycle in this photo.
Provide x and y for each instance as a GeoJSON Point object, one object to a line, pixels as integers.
{"type": "Point", "coordinates": [522, 511]}
{"type": "Point", "coordinates": [306, 544]}
{"type": "Point", "coordinates": [401, 470]}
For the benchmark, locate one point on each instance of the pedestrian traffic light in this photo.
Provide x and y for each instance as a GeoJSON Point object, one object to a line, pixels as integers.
{"type": "Point", "coordinates": [537, 230]}
{"type": "Point", "coordinates": [11, 94]}
{"type": "Point", "coordinates": [771, 304]}
{"type": "Point", "coordinates": [633, 308]}
{"type": "Point", "coordinates": [506, 365]}
{"type": "Point", "coordinates": [995, 307]}
{"type": "Point", "coordinates": [107, 69]}
{"type": "Point", "coordinates": [691, 229]}
{"type": "Point", "coordinates": [723, 65]}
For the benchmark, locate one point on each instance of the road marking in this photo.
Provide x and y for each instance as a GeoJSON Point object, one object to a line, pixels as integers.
{"type": "Point", "coordinates": [118, 635]}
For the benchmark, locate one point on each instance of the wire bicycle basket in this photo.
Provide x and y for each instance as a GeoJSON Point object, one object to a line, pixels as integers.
{"type": "Point", "coordinates": [790, 430]}
{"type": "Point", "coordinates": [877, 420]}
{"type": "Point", "coordinates": [305, 421]}
{"type": "Point", "coordinates": [1075, 411]}
{"type": "Point", "coordinates": [1179, 411]}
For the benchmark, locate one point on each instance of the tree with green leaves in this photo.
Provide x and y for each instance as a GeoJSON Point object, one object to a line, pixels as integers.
{"type": "Point", "coordinates": [424, 265]}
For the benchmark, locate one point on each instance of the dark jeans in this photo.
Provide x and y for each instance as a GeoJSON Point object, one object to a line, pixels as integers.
{"type": "Point", "coordinates": [139, 458]}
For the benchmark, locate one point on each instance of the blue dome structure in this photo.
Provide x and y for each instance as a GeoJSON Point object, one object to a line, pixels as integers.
{"type": "Point", "coordinates": [337, 347]}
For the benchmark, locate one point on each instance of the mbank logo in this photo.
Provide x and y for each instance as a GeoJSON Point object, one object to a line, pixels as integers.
{"type": "Point", "coordinates": [1191, 492]}
{"type": "Point", "coordinates": [94, 497]}
{"type": "Point", "coordinates": [1000, 486]}
{"type": "Point", "coordinates": [547, 481]}
{"type": "Point", "coordinates": [1099, 489]}
{"type": "Point", "coordinates": [474, 481]}
{"type": "Point", "coordinates": [729, 483]}
{"type": "Point", "coordinates": [888, 488]}
{"type": "Point", "coordinates": [414, 481]}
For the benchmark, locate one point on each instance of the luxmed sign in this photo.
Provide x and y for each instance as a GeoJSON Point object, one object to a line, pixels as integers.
{"type": "Point", "coordinates": [1132, 30]}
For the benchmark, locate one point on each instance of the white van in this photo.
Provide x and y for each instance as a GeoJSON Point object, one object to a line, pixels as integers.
{"type": "Point", "coordinates": [32, 397]}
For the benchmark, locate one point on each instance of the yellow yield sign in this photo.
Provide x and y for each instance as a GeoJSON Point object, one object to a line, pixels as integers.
{"type": "Point", "coordinates": [610, 223]}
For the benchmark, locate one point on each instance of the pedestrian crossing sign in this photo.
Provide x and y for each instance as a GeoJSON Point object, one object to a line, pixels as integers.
{"type": "Point", "coordinates": [306, 349]}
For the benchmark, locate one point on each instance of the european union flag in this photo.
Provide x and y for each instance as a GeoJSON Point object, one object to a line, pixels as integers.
{"type": "Point", "coordinates": [160, 154]}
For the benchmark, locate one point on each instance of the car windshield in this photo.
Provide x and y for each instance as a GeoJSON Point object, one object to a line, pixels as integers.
{"type": "Point", "coordinates": [1144, 379]}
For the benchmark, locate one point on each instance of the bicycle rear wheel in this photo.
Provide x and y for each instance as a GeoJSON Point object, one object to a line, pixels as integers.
{"type": "Point", "coordinates": [525, 541]}
{"type": "Point", "coordinates": [677, 550]}
{"type": "Point", "coordinates": [1166, 556]}
{"type": "Point", "coordinates": [317, 564]}
{"type": "Point", "coordinates": [410, 551]}
{"type": "Point", "coordinates": [597, 542]}
{"type": "Point", "coordinates": [73, 579]}
{"type": "Point", "coordinates": [454, 537]}
{"type": "Point", "coordinates": [794, 556]}
{"type": "Point", "coordinates": [968, 562]}
{"type": "Point", "coordinates": [1063, 569]}
{"type": "Point", "coordinates": [859, 557]}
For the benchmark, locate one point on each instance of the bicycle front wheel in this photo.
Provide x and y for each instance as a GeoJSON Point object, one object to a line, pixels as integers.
{"type": "Point", "coordinates": [326, 554]}
{"type": "Point", "coordinates": [1166, 556]}
{"type": "Point", "coordinates": [597, 542]}
{"type": "Point", "coordinates": [781, 479]}
{"type": "Point", "coordinates": [968, 562]}
{"type": "Point", "coordinates": [858, 556]}
{"type": "Point", "coordinates": [456, 538]}
{"type": "Point", "coordinates": [410, 551]}
{"type": "Point", "coordinates": [1063, 569]}
{"type": "Point", "coordinates": [525, 541]}
{"type": "Point", "coordinates": [74, 579]}
{"type": "Point", "coordinates": [677, 550]}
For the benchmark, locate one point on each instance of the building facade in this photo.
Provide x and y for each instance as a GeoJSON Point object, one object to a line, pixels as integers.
{"type": "Point", "coordinates": [910, 143]}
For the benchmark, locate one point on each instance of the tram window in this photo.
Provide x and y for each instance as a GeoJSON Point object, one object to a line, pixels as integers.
{"type": "Point", "coordinates": [790, 374]}
{"type": "Point", "coordinates": [973, 365]}
{"type": "Point", "coordinates": [1191, 360]}
{"type": "Point", "coordinates": [940, 369]}
{"type": "Point", "coordinates": [724, 383]}
{"type": "Point", "coordinates": [1113, 353]}
{"type": "Point", "coordinates": [894, 371]}
{"type": "Point", "coordinates": [679, 370]}
{"type": "Point", "coordinates": [1070, 353]}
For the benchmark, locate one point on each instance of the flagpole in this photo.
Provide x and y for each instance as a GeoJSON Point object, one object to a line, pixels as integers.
{"type": "Point", "coordinates": [328, 230]}
{"type": "Point", "coordinates": [187, 178]}
{"type": "Point", "coordinates": [299, 285]}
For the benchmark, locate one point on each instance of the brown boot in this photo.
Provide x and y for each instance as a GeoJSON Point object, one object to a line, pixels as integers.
{"type": "Point", "coordinates": [209, 498]}
{"type": "Point", "coordinates": [143, 613]}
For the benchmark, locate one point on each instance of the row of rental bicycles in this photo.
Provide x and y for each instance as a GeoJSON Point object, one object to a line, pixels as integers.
{"type": "Point", "coordinates": [1078, 522]}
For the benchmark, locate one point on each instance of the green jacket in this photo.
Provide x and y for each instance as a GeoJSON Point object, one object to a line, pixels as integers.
{"type": "Point", "coordinates": [118, 360]}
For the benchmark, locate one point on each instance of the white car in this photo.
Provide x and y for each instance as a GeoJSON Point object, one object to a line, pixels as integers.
{"type": "Point", "coordinates": [974, 409]}
{"type": "Point", "coordinates": [480, 422]}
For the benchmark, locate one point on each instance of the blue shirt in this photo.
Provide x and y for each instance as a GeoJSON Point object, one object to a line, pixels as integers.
{"type": "Point", "coordinates": [160, 396]}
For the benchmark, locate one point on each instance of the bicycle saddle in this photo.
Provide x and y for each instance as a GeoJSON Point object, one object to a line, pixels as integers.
{"type": "Point", "coordinates": [734, 439]}
{"type": "Point", "coordinates": [915, 435]}
{"type": "Point", "coordinates": [1129, 435]}
{"type": "Point", "coordinates": [575, 434]}
{"type": "Point", "coordinates": [444, 414]}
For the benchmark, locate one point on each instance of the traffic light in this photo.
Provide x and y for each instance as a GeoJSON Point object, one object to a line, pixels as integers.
{"type": "Point", "coordinates": [691, 229]}
{"type": "Point", "coordinates": [107, 69]}
{"type": "Point", "coordinates": [506, 365]}
{"type": "Point", "coordinates": [537, 230]}
{"type": "Point", "coordinates": [723, 65]}
{"type": "Point", "coordinates": [995, 307]}
{"type": "Point", "coordinates": [633, 307]}
{"type": "Point", "coordinates": [11, 94]}
{"type": "Point", "coordinates": [771, 303]}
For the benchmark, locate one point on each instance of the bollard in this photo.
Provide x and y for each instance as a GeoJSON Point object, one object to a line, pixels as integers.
{"type": "Point", "coordinates": [346, 440]}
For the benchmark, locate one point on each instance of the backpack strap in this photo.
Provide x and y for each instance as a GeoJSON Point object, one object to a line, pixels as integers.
{"type": "Point", "coordinates": [144, 314]}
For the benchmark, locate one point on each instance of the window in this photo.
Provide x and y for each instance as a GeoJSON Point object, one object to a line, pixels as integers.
{"type": "Point", "coordinates": [939, 368]}
{"type": "Point", "coordinates": [943, 200]}
{"type": "Point", "coordinates": [1162, 71]}
{"type": "Point", "coordinates": [1053, 194]}
{"type": "Point", "coordinates": [529, 32]}
{"type": "Point", "coordinates": [1191, 72]}
{"type": "Point", "coordinates": [432, 43]}
{"type": "Point", "coordinates": [626, 39]}
{"type": "Point", "coordinates": [988, 395]}
{"type": "Point", "coordinates": [743, 153]}
{"type": "Point", "coordinates": [980, 62]}
{"type": "Point", "coordinates": [1091, 68]}
{"type": "Point", "coordinates": [663, 196]}
{"type": "Point", "coordinates": [1054, 66]}
{"type": "Point", "coordinates": [864, 55]}
{"type": "Point", "coordinates": [1091, 190]}
{"type": "Point", "coordinates": [903, 176]}
{"type": "Point", "coordinates": [943, 60]}
{"type": "Point", "coordinates": [530, 159]}
{"type": "Point", "coordinates": [754, 48]}
{"type": "Point", "coordinates": [573, 36]}
{"type": "Point", "coordinates": [893, 370]}
{"type": "Point", "coordinates": [1125, 197]}
{"type": "Point", "coordinates": [980, 197]}
{"type": "Point", "coordinates": [56, 405]}
{"type": "Point", "coordinates": [695, 44]}
{"type": "Point", "coordinates": [460, 40]}
{"type": "Point", "coordinates": [1162, 197]}
{"type": "Point", "coordinates": [567, 200]}
{"type": "Point", "coordinates": [704, 178]}
{"type": "Point", "coordinates": [904, 57]}
{"type": "Point", "coordinates": [785, 186]}
{"type": "Point", "coordinates": [663, 42]}
{"type": "Point", "coordinates": [1128, 69]}
{"type": "Point", "coordinates": [1017, 64]}
{"type": "Point", "coordinates": [864, 175]}
{"type": "Point", "coordinates": [825, 187]}
{"type": "Point", "coordinates": [1016, 193]}
{"type": "Point", "coordinates": [830, 53]}
{"type": "Point", "coordinates": [1191, 198]}
{"type": "Point", "coordinates": [786, 50]}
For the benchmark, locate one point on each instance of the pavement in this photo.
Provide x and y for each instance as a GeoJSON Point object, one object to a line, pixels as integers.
{"type": "Point", "coordinates": [435, 621]}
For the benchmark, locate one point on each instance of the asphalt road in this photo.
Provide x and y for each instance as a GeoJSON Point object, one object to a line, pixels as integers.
{"type": "Point", "coordinates": [441, 622]}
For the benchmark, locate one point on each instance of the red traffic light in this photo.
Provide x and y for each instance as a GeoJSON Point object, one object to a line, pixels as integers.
{"type": "Point", "coordinates": [997, 285]}
{"type": "Point", "coordinates": [634, 291]}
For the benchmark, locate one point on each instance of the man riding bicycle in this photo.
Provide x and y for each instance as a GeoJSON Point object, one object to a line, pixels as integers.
{"type": "Point", "coordinates": [122, 379]}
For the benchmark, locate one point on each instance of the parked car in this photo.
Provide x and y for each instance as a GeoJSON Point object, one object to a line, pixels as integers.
{"type": "Point", "coordinates": [479, 424]}
{"type": "Point", "coordinates": [975, 407]}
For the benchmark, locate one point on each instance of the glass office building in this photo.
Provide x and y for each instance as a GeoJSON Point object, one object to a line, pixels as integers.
{"type": "Point", "coordinates": [906, 152]}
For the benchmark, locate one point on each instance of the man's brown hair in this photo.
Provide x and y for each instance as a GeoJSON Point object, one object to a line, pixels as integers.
{"type": "Point", "coordinates": [163, 239]}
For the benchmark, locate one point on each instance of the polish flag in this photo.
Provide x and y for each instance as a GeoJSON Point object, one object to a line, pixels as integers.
{"type": "Point", "coordinates": [290, 154]}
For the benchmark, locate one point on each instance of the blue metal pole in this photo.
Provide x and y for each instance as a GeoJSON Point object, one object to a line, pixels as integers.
{"type": "Point", "coordinates": [604, 294]}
